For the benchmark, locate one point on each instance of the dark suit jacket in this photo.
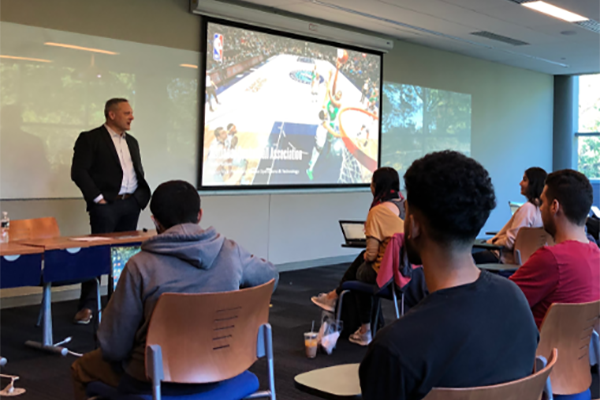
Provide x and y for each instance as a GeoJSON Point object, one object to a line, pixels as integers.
{"type": "Point", "coordinates": [96, 168]}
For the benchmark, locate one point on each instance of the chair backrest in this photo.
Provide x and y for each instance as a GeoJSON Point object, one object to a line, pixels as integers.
{"type": "Point", "coordinates": [528, 240]}
{"type": "Point", "coordinates": [528, 388]}
{"type": "Point", "coordinates": [568, 328]}
{"type": "Point", "coordinates": [514, 206]}
{"type": "Point", "coordinates": [208, 337]}
{"type": "Point", "coordinates": [35, 228]}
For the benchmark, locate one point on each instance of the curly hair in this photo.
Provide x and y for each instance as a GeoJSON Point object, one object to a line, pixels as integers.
{"type": "Point", "coordinates": [573, 191]}
{"type": "Point", "coordinates": [454, 193]}
{"type": "Point", "coordinates": [536, 177]}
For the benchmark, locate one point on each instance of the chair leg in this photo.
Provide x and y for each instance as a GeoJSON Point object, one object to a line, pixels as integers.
{"type": "Point", "coordinates": [98, 300]}
{"type": "Point", "coordinates": [338, 316]}
{"type": "Point", "coordinates": [402, 305]}
{"type": "Point", "coordinates": [375, 323]}
{"type": "Point", "coordinates": [154, 360]}
{"type": "Point", "coordinates": [396, 301]}
{"type": "Point", "coordinates": [270, 361]}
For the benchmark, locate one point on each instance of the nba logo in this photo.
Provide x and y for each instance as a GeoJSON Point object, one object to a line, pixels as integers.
{"type": "Point", "coordinates": [218, 47]}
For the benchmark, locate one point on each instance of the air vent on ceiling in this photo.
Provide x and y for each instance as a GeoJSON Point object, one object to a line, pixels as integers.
{"type": "Point", "coordinates": [499, 38]}
{"type": "Point", "coordinates": [590, 25]}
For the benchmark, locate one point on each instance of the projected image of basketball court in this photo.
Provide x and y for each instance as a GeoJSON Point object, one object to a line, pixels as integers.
{"type": "Point", "coordinates": [275, 123]}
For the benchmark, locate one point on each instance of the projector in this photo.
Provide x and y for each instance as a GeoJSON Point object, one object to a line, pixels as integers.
{"type": "Point", "coordinates": [234, 12]}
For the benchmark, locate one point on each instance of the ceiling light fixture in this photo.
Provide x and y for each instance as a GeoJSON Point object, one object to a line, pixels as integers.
{"type": "Point", "coordinates": [25, 58]}
{"type": "Point", "coordinates": [188, 66]}
{"type": "Point", "coordinates": [70, 46]}
{"type": "Point", "coordinates": [432, 32]}
{"type": "Point", "coordinates": [554, 11]}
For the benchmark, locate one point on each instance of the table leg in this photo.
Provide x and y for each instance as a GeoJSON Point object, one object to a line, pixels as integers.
{"type": "Point", "coordinates": [47, 321]}
{"type": "Point", "coordinates": [47, 343]}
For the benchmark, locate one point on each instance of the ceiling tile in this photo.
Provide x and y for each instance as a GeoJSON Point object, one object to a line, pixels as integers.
{"type": "Point", "coordinates": [476, 4]}
{"type": "Point", "coordinates": [587, 8]}
{"type": "Point", "coordinates": [273, 3]}
{"type": "Point", "coordinates": [517, 14]}
{"type": "Point", "coordinates": [459, 18]}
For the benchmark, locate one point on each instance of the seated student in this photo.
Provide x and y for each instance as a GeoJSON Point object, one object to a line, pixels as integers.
{"type": "Point", "coordinates": [474, 328]}
{"type": "Point", "coordinates": [528, 215]}
{"type": "Point", "coordinates": [383, 221]}
{"type": "Point", "coordinates": [569, 271]}
{"type": "Point", "coordinates": [182, 258]}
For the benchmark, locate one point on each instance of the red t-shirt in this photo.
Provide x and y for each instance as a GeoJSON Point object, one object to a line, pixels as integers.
{"type": "Point", "coordinates": [568, 272]}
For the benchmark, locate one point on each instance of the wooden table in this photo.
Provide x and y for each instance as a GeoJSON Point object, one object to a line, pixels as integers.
{"type": "Point", "coordinates": [73, 259]}
{"type": "Point", "coordinates": [340, 382]}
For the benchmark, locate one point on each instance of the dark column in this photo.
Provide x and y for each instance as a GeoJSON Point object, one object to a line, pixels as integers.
{"type": "Point", "coordinates": [566, 115]}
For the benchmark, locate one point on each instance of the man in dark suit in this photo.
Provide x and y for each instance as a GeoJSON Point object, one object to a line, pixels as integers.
{"type": "Point", "coordinates": [107, 168]}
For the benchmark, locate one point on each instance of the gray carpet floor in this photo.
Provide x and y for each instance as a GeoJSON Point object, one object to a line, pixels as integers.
{"type": "Point", "coordinates": [47, 377]}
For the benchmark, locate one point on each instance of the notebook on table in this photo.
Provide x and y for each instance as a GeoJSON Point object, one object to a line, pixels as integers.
{"type": "Point", "coordinates": [354, 233]}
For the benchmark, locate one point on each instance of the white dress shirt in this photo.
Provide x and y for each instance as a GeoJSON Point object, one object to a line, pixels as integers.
{"type": "Point", "coordinates": [129, 183]}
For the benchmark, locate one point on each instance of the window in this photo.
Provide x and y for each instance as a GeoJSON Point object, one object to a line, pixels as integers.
{"type": "Point", "coordinates": [588, 135]}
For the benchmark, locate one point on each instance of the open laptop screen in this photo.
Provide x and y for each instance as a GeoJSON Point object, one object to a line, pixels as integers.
{"type": "Point", "coordinates": [514, 206]}
{"type": "Point", "coordinates": [353, 230]}
{"type": "Point", "coordinates": [119, 255]}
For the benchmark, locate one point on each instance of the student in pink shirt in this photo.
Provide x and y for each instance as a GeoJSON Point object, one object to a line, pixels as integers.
{"type": "Point", "coordinates": [528, 215]}
{"type": "Point", "coordinates": [569, 271]}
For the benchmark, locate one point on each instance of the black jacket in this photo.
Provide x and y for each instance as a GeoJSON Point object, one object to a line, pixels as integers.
{"type": "Point", "coordinates": [96, 168]}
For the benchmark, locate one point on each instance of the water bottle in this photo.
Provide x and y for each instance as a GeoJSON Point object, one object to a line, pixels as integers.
{"type": "Point", "coordinates": [5, 224]}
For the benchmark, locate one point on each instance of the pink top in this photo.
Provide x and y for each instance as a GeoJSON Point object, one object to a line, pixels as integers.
{"type": "Point", "coordinates": [568, 272]}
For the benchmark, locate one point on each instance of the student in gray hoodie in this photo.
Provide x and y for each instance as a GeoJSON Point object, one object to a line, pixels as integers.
{"type": "Point", "coordinates": [182, 258]}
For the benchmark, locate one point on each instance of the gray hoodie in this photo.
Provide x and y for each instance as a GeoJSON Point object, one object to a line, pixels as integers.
{"type": "Point", "coordinates": [183, 259]}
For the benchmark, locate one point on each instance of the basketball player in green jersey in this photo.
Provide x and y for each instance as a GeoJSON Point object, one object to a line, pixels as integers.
{"type": "Point", "coordinates": [328, 128]}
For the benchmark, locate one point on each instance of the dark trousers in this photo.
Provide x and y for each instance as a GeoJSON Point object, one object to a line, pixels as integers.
{"type": "Point", "coordinates": [92, 368]}
{"type": "Point", "coordinates": [361, 271]}
{"type": "Point", "coordinates": [118, 216]}
{"type": "Point", "coordinates": [211, 92]}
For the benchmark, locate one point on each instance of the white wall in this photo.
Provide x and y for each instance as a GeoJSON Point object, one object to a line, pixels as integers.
{"type": "Point", "coordinates": [512, 109]}
{"type": "Point", "coordinates": [511, 129]}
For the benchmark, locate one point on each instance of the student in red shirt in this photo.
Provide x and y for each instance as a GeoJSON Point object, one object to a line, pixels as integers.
{"type": "Point", "coordinates": [569, 271]}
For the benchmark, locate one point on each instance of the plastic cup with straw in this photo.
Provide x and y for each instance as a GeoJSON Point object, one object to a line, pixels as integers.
{"type": "Point", "coordinates": [310, 342]}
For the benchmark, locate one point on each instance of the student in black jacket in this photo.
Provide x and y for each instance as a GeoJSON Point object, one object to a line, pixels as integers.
{"type": "Point", "coordinates": [474, 328]}
{"type": "Point", "coordinates": [107, 168]}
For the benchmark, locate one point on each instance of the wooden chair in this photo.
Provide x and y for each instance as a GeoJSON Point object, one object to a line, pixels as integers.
{"type": "Point", "coordinates": [205, 338]}
{"type": "Point", "coordinates": [35, 228]}
{"type": "Point", "coordinates": [527, 242]}
{"type": "Point", "coordinates": [528, 388]}
{"type": "Point", "coordinates": [569, 327]}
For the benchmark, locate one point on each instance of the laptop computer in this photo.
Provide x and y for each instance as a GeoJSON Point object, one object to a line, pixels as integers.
{"type": "Point", "coordinates": [354, 233]}
{"type": "Point", "coordinates": [119, 255]}
{"type": "Point", "coordinates": [514, 206]}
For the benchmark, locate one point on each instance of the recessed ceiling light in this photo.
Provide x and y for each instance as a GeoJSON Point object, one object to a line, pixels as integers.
{"type": "Point", "coordinates": [70, 46]}
{"type": "Point", "coordinates": [554, 11]}
{"type": "Point", "coordinates": [188, 65]}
